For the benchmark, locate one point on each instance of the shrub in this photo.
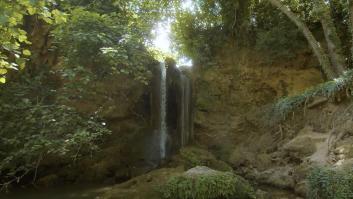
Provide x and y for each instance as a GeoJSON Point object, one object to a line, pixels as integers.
{"type": "Point", "coordinates": [34, 126]}
{"type": "Point", "coordinates": [325, 183]}
{"type": "Point", "coordinates": [211, 185]}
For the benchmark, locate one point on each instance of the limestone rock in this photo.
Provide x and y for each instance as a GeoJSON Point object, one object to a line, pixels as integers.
{"type": "Point", "coordinates": [141, 187]}
{"type": "Point", "coordinates": [301, 188]}
{"type": "Point", "coordinates": [262, 194]}
{"type": "Point", "coordinates": [308, 144]}
{"type": "Point", "coordinates": [193, 156]}
{"type": "Point", "coordinates": [281, 177]}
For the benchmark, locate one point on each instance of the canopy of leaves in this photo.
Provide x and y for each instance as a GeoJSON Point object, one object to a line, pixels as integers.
{"type": "Point", "coordinates": [92, 40]}
{"type": "Point", "coordinates": [104, 44]}
{"type": "Point", "coordinates": [214, 24]}
{"type": "Point", "coordinates": [13, 41]}
{"type": "Point", "coordinates": [33, 126]}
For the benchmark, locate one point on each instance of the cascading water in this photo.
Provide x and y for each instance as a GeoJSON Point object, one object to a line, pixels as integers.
{"type": "Point", "coordinates": [163, 130]}
{"type": "Point", "coordinates": [172, 110]}
{"type": "Point", "coordinates": [185, 116]}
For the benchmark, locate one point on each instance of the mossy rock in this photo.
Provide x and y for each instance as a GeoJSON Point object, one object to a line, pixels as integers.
{"type": "Point", "coordinates": [206, 183]}
{"type": "Point", "coordinates": [192, 156]}
{"type": "Point", "coordinates": [142, 187]}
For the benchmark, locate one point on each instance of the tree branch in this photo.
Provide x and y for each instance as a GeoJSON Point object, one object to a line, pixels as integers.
{"type": "Point", "coordinates": [315, 45]}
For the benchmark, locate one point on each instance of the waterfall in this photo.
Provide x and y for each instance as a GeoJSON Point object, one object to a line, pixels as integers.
{"type": "Point", "coordinates": [172, 110]}
{"type": "Point", "coordinates": [163, 112]}
{"type": "Point", "coordinates": [185, 115]}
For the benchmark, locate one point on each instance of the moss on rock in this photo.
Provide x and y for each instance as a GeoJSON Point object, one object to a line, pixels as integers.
{"type": "Point", "coordinates": [192, 156]}
{"type": "Point", "coordinates": [205, 183]}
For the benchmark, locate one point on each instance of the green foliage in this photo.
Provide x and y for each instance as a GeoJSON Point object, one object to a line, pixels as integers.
{"type": "Point", "coordinates": [275, 33]}
{"type": "Point", "coordinates": [328, 89]}
{"type": "Point", "coordinates": [214, 24]}
{"type": "Point", "coordinates": [103, 44]}
{"type": "Point", "coordinates": [201, 32]}
{"type": "Point", "coordinates": [34, 127]}
{"type": "Point", "coordinates": [14, 40]}
{"type": "Point", "coordinates": [325, 183]}
{"type": "Point", "coordinates": [215, 185]}
{"type": "Point", "coordinates": [93, 40]}
{"type": "Point", "coordinates": [196, 37]}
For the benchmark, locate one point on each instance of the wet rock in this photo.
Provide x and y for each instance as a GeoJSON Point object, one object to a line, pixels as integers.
{"type": "Point", "coordinates": [301, 188]}
{"type": "Point", "coordinates": [193, 156]}
{"type": "Point", "coordinates": [346, 165]}
{"type": "Point", "coordinates": [141, 187]}
{"type": "Point", "coordinates": [262, 194]}
{"type": "Point", "coordinates": [305, 144]}
{"type": "Point", "coordinates": [281, 177]}
{"type": "Point", "coordinates": [242, 157]}
{"type": "Point", "coordinates": [49, 181]}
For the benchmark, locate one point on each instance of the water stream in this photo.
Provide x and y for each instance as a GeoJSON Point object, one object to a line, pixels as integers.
{"type": "Point", "coordinates": [185, 116]}
{"type": "Point", "coordinates": [163, 112]}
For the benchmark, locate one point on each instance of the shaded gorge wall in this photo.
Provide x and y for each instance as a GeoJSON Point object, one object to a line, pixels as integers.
{"type": "Point", "coordinates": [180, 107]}
{"type": "Point", "coordinates": [172, 124]}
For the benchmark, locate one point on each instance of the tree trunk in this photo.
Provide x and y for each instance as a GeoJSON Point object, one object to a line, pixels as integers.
{"type": "Point", "coordinates": [351, 23]}
{"type": "Point", "coordinates": [332, 39]}
{"type": "Point", "coordinates": [315, 45]}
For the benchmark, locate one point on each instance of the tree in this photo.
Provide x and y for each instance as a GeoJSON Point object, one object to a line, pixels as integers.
{"type": "Point", "coordinates": [333, 41]}
{"type": "Point", "coordinates": [92, 40]}
{"type": "Point", "coordinates": [350, 10]}
{"type": "Point", "coordinates": [14, 51]}
{"type": "Point", "coordinates": [332, 63]}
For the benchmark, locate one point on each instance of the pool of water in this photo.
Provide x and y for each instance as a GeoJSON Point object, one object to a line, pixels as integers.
{"type": "Point", "coordinates": [68, 192]}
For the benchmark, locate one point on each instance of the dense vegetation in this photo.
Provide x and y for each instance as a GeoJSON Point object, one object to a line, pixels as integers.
{"type": "Point", "coordinates": [213, 185]}
{"type": "Point", "coordinates": [328, 183]}
{"type": "Point", "coordinates": [259, 25]}
{"type": "Point", "coordinates": [55, 52]}
{"type": "Point", "coordinates": [75, 44]}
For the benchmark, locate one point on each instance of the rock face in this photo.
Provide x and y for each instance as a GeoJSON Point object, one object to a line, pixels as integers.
{"type": "Point", "coordinates": [198, 182]}
{"type": "Point", "coordinates": [127, 107]}
{"type": "Point", "coordinates": [234, 89]}
{"type": "Point", "coordinates": [206, 183]}
{"type": "Point", "coordinates": [308, 145]}
{"type": "Point", "coordinates": [191, 157]}
{"type": "Point", "coordinates": [231, 97]}
{"type": "Point", "coordinates": [281, 177]}
{"type": "Point", "coordinates": [125, 104]}
{"type": "Point", "coordinates": [142, 187]}
{"type": "Point", "coordinates": [153, 184]}
{"type": "Point", "coordinates": [180, 107]}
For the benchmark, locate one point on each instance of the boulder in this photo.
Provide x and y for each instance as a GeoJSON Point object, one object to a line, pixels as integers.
{"type": "Point", "coordinates": [308, 144]}
{"type": "Point", "coordinates": [142, 187]}
{"type": "Point", "coordinates": [205, 183]}
{"type": "Point", "coordinates": [193, 156]}
{"type": "Point", "coordinates": [280, 177]}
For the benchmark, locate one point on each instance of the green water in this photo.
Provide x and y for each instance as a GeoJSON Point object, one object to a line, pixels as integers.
{"type": "Point", "coordinates": [69, 192]}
